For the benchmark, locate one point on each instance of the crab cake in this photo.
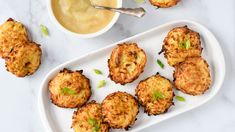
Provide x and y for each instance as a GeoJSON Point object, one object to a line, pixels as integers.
{"type": "Point", "coordinates": [11, 33]}
{"type": "Point", "coordinates": [24, 59]}
{"type": "Point", "coordinates": [119, 110]}
{"type": "Point", "coordinates": [126, 63]}
{"type": "Point", "coordinates": [164, 3]}
{"type": "Point", "coordinates": [192, 76]}
{"type": "Point", "coordinates": [155, 94]}
{"type": "Point", "coordinates": [181, 42]}
{"type": "Point", "coordinates": [69, 89]}
{"type": "Point", "coordinates": [89, 119]}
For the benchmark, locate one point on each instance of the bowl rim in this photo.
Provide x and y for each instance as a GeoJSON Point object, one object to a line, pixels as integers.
{"type": "Point", "coordinates": [90, 35]}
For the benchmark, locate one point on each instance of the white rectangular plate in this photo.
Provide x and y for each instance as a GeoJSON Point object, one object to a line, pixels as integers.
{"type": "Point", "coordinates": [57, 119]}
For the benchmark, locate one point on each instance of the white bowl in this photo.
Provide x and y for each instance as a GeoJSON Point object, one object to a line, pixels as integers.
{"type": "Point", "coordinates": [91, 35]}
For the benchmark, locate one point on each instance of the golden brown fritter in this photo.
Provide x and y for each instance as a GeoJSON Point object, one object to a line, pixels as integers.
{"type": "Point", "coordinates": [126, 63]}
{"type": "Point", "coordinates": [24, 59]}
{"type": "Point", "coordinates": [181, 42]}
{"type": "Point", "coordinates": [192, 76]}
{"type": "Point", "coordinates": [119, 110]}
{"type": "Point", "coordinates": [164, 3]}
{"type": "Point", "coordinates": [155, 94]}
{"type": "Point", "coordinates": [69, 89]}
{"type": "Point", "coordinates": [11, 33]}
{"type": "Point", "coordinates": [89, 119]}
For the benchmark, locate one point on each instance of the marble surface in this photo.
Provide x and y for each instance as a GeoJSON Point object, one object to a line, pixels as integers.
{"type": "Point", "coordinates": [19, 96]}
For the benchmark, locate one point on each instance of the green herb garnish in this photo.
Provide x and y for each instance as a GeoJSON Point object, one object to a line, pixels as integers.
{"type": "Point", "coordinates": [98, 71]}
{"type": "Point", "coordinates": [180, 98]}
{"type": "Point", "coordinates": [139, 1]}
{"type": "Point", "coordinates": [44, 30]}
{"type": "Point", "coordinates": [95, 124]}
{"type": "Point", "coordinates": [66, 90]}
{"type": "Point", "coordinates": [91, 121]}
{"type": "Point", "coordinates": [158, 95]}
{"type": "Point", "coordinates": [185, 44]}
{"type": "Point", "coordinates": [160, 63]}
{"type": "Point", "coordinates": [102, 83]}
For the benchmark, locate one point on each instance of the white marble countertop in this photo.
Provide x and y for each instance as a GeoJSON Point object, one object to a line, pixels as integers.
{"type": "Point", "coordinates": [18, 96]}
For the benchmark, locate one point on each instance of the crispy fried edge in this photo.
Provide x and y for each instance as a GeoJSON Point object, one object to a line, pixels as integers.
{"type": "Point", "coordinates": [174, 77]}
{"type": "Point", "coordinates": [133, 121]}
{"type": "Point", "coordinates": [69, 71]}
{"type": "Point", "coordinates": [110, 69]}
{"type": "Point", "coordinates": [164, 50]}
{"type": "Point", "coordinates": [28, 74]}
{"type": "Point", "coordinates": [141, 103]}
{"type": "Point", "coordinates": [85, 105]}
{"type": "Point", "coordinates": [163, 5]}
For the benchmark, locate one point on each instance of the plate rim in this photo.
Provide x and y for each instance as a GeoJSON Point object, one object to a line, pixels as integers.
{"type": "Point", "coordinates": [41, 103]}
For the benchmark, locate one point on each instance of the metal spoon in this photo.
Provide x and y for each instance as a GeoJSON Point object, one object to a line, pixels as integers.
{"type": "Point", "coordinates": [137, 12]}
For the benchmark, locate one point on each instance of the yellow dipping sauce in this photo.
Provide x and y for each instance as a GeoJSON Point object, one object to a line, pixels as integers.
{"type": "Point", "coordinates": [80, 17]}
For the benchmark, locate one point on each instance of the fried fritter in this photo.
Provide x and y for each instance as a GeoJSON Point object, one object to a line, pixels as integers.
{"type": "Point", "coordinates": [12, 33]}
{"type": "Point", "coordinates": [24, 59]}
{"type": "Point", "coordinates": [126, 63]}
{"type": "Point", "coordinates": [181, 42]}
{"type": "Point", "coordinates": [155, 94]}
{"type": "Point", "coordinates": [192, 76]}
{"type": "Point", "coordinates": [89, 119]}
{"type": "Point", "coordinates": [164, 3]}
{"type": "Point", "coordinates": [69, 89]}
{"type": "Point", "coordinates": [119, 110]}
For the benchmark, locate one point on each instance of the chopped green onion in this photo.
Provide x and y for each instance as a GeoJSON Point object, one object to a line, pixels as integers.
{"type": "Point", "coordinates": [158, 95]}
{"type": "Point", "coordinates": [96, 128]}
{"type": "Point", "coordinates": [66, 90]}
{"type": "Point", "coordinates": [160, 63]}
{"type": "Point", "coordinates": [95, 124]}
{"type": "Point", "coordinates": [139, 1]}
{"type": "Point", "coordinates": [102, 83]}
{"type": "Point", "coordinates": [98, 71]}
{"type": "Point", "coordinates": [91, 121]}
{"type": "Point", "coordinates": [180, 98]}
{"type": "Point", "coordinates": [44, 30]}
{"type": "Point", "coordinates": [187, 44]}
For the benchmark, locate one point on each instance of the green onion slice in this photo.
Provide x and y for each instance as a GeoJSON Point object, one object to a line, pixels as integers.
{"type": "Point", "coordinates": [180, 98]}
{"type": "Point", "coordinates": [160, 63]}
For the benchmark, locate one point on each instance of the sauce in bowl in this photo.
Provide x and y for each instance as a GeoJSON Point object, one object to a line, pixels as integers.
{"type": "Point", "coordinates": [80, 17]}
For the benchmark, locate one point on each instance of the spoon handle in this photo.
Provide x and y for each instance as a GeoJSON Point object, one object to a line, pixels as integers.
{"type": "Point", "coordinates": [137, 12]}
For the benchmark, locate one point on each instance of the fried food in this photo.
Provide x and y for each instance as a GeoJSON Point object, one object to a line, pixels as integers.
{"type": "Point", "coordinates": [22, 56]}
{"type": "Point", "coordinates": [12, 33]}
{"type": "Point", "coordinates": [119, 110]}
{"type": "Point", "coordinates": [69, 89]}
{"type": "Point", "coordinates": [89, 119]}
{"type": "Point", "coordinates": [192, 76]}
{"type": "Point", "coordinates": [155, 94]}
{"type": "Point", "coordinates": [126, 63]}
{"type": "Point", "coordinates": [24, 59]}
{"type": "Point", "coordinates": [181, 42]}
{"type": "Point", "coordinates": [164, 3]}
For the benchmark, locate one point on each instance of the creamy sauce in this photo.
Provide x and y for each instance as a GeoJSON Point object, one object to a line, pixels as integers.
{"type": "Point", "coordinates": [80, 17]}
